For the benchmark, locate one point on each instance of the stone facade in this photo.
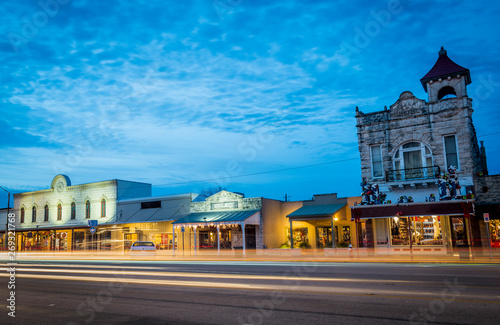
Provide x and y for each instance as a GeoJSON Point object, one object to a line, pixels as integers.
{"type": "Point", "coordinates": [225, 200]}
{"type": "Point", "coordinates": [411, 119]}
{"type": "Point", "coordinates": [488, 189]}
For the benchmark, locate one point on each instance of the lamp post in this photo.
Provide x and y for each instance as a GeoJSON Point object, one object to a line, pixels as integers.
{"type": "Point", "coordinates": [7, 219]}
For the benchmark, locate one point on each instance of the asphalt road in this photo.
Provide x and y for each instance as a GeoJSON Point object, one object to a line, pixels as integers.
{"type": "Point", "coordinates": [223, 292]}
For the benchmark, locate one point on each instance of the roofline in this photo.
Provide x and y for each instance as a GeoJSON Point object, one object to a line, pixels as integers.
{"type": "Point", "coordinates": [158, 198]}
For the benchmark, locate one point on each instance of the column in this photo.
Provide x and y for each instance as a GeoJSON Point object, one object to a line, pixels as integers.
{"type": "Point", "coordinates": [333, 234]}
{"type": "Point", "coordinates": [173, 240]}
{"type": "Point", "coordinates": [194, 240]}
{"type": "Point", "coordinates": [243, 232]}
{"type": "Point", "coordinates": [218, 240]}
{"type": "Point", "coordinates": [291, 234]}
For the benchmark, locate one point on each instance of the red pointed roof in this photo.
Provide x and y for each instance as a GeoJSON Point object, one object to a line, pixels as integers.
{"type": "Point", "coordinates": [443, 68]}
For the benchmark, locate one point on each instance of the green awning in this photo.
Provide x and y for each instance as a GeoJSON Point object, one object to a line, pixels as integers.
{"type": "Point", "coordinates": [312, 211]}
{"type": "Point", "coordinates": [216, 217]}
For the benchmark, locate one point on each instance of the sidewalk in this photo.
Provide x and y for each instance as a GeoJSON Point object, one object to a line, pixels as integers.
{"type": "Point", "coordinates": [352, 257]}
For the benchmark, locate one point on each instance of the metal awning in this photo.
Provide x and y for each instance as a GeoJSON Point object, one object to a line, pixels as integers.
{"type": "Point", "coordinates": [311, 212]}
{"type": "Point", "coordinates": [251, 217]}
{"type": "Point", "coordinates": [417, 209]}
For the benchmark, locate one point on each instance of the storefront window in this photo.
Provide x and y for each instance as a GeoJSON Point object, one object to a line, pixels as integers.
{"type": "Point", "coordinates": [399, 231]}
{"type": "Point", "coordinates": [427, 230]}
{"type": "Point", "coordinates": [495, 233]}
{"type": "Point", "coordinates": [346, 234]}
{"type": "Point", "coordinates": [324, 237]}
{"type": "Point", "coordinates": [459, 237]}
{"type": "Point", "coordinates": [300, 238]}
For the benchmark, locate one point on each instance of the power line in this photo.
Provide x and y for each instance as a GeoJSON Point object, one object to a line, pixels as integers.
{"type": "Point", "coordinates": [485, 135]}
{"type": "Point", "coordinates": [260, 173]}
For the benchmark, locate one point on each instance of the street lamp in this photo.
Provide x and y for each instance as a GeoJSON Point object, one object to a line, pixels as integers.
{"type": "Point", "coordinates": [7, 219]}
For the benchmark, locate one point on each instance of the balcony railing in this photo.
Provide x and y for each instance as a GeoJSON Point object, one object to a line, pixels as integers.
{"type": "Point", "coordinates": [397, 175]}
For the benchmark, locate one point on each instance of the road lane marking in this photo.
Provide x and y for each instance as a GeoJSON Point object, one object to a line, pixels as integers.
{"type": "Point", "coordinates": [239, 286]}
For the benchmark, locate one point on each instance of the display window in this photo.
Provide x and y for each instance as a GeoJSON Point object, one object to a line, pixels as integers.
{"type": "Point", "coordinates": [427, 230]}
{"type": "Point", "coordinates": [400, 231]}
{"type": "Point", "coordinates": [324, 237]}
{"type": "Point", "coordinates": [495, 233]}
{"type": "Point", "coordinates": [424, 230]}
{"type": "Point", "coordinates": [300, 237]}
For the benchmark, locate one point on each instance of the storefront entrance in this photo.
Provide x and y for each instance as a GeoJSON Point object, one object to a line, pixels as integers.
{"type": "Point", "coordinates": [324, 237]}
{"type": "Point", "coordinates": [458, 232]}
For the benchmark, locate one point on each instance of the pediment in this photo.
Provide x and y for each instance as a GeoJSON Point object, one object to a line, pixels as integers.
{"type": "Point", "coordinates": [224, 196]}
{"type": "Point", "coordinates": [407, 106]}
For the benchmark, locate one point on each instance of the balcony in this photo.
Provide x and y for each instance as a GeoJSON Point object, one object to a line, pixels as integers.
{"type": "Point", "coordinates": [411, 174]}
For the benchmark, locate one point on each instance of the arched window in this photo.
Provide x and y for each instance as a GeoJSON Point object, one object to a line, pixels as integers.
{"type": "Point", "coordinates": [22, 215]}
{"type": "Point", "coordinates": [103, 208]}
{"type": "Point", "coordinates": [87, 209]}
{"type": "Point", "coordinates": [59, 211]}
{"type": "Point", "coordinates": [413, 160]}
{"type": "Point", "coordinates": [33, 215]}
{"type": "Point", "coordinates": [73, 210]}
{"type": "Point", "coordinates": [446, 92]}
{"type": "Point", "coordinates": [46, 213]}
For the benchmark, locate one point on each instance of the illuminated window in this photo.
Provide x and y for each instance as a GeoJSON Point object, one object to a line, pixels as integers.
{"type": "Point", "coordinates": [33, 215]}
{"type": "Point", "coordinates": [87, 209]}
{"type": "Point", "coordinates": [22, 215]}
{"type": "Point", "coordinates": [59, 211]}
{"type": "Point", "coordinates": [73, 211]}
{"type": "Point", "coordinates": [103, 208]}
{"type": "Point", "coordinates": [46, 213]}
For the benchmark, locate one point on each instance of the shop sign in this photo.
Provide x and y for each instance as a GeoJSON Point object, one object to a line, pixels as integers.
{"type": "Point", "coordinates": [486, 217]}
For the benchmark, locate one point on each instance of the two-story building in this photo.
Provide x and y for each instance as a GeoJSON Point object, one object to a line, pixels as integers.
{"type": "Point", "coordinates": [419, 163]}
{"type": "Point", "coordinates": [56, 219]}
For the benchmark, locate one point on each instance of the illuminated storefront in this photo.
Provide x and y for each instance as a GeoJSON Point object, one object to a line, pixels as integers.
{"type": "Point", "coordinates": [56, 219]}
{"type": "Point", "coordinates": [320, 222]}
{"type": "Point", "coordinates": [426, 227]}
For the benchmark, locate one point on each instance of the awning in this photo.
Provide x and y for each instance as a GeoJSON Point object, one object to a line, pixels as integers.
{"type": "Point", "coordinates": [311, 212]}
{"type": "Point", "coordinates": [451, 208]}
{"type": "Point", "coordinates": [492, 208]}
{"type": "Point", "coordinates": [220, 218]}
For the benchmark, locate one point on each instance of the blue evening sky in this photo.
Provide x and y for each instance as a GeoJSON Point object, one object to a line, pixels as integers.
{"type": "Point", "coordinates": [175, 92]}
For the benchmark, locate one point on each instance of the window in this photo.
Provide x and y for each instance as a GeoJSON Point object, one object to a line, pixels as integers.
{"type": "Point", "coordinates": [150, 204]}
{"type": "Point", "coordinates": [424, 230]}
{"type": "Point", "coordinates": [413, 160]}
{"type": "Point", "coordinates": [376, 154]}
{"type": "Point", "coordinates": [22, 215]}
{"type": "Point", "coordinates": [450, 147]}
{"type": "Point", "coordinates": [73, 211]}
{"type": "Point", "coordinates": [46, 213]}
{"type": "Point", "coordinates": [103, 208]}
{"type": "Point", "coordinates": [87, 209]}
{"type": "Point", "coordinates": [33, 215]}
{"type": "Point", "coordinates": [59, 211]}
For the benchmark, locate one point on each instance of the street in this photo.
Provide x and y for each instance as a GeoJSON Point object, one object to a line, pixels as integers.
{"type": "Point", "coordinates": [241, 292]}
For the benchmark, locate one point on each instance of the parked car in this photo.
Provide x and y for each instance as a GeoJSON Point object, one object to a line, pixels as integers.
{"type": "Point", "coordinates": [143, 247]}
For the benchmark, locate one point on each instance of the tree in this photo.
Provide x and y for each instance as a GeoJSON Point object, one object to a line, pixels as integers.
{"type": "Point", "coordinates": [209, 191]}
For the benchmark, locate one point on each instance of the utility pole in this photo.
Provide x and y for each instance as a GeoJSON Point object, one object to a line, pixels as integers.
{"type": "Point", "coordinates": [286, 197]}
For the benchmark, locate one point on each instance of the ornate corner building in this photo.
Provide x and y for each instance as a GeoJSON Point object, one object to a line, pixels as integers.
{"type": "Point", "coordinates": [420, 161]}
